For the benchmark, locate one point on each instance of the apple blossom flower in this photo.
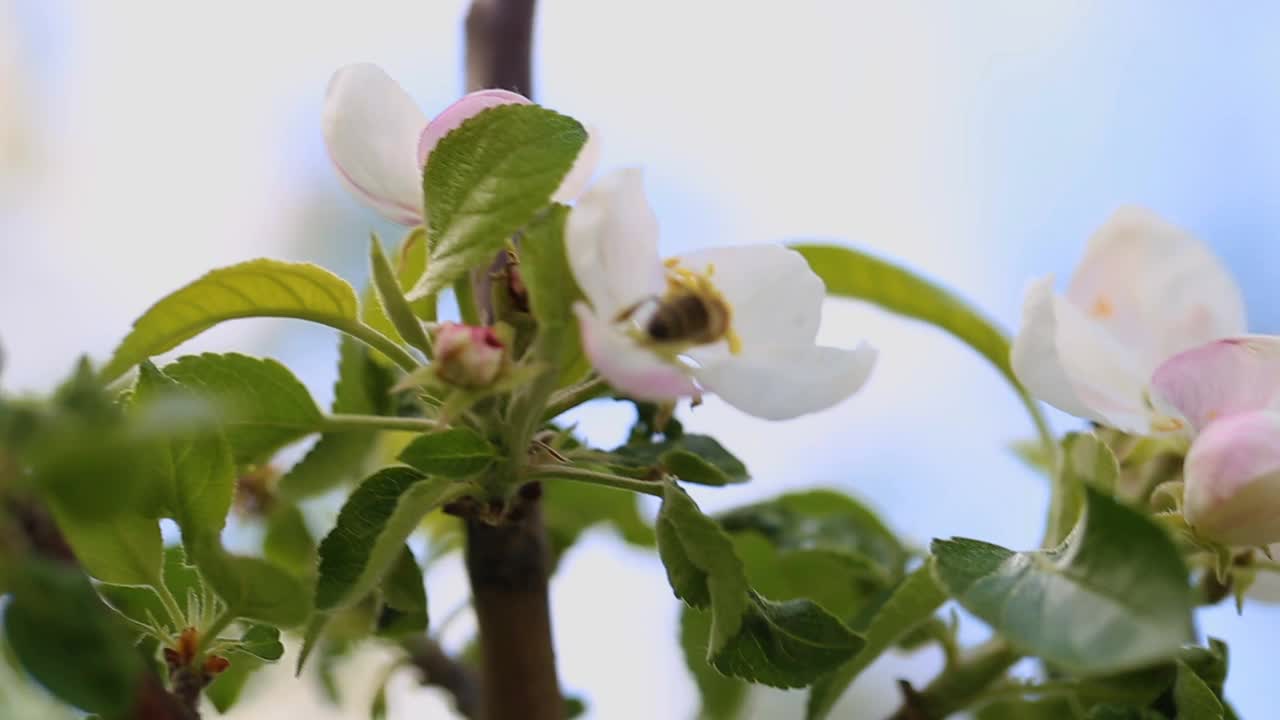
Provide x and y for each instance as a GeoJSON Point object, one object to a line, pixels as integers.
{"type": "Point", "coordinates": [379, 140]}
{"type": "Point", "coordinates": [1144, 292]}
{"type": "Point", "coordinates": [468, 356]}
{"type": "Point", "coordinates": [739, 322]}
{"type": "Point", "coordinates": [1232, 480]}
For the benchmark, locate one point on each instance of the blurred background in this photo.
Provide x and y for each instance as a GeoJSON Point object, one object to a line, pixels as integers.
{"type": "Point", "coordinates": [143, 143]}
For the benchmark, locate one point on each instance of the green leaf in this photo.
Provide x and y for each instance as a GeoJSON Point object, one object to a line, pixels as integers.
{"type": "Point", "coordinates": [404, 598]}
{"type": "Point", "coordinates": [822, 520]}
{"type": "Point", "coordinates": [913, 602]}
{"type": "Point", "coordinates": [702, 567]}
{"type": "Point", "coordinates": [228, 686]}
{"type": "Point", "coordinates": [696, 459]}
{"type": "Point", "coordinates": [722, 696]}
{"type": "Point", "coordinates": [393, 301]}
{"type": "Point", "coordinates": [456, 452]}
{"type": "Point", "coordinates": [544, 268]}
{"type": "Point", "coordinates": [1122, 712]}
{"type": "Point", "coordinates": [843, 584]}
{"type": "Point", "coordinates": [363, 388]}
{"type": "Point", "coordinates": [258, 288]}
{"type": "Point", "coordinates": [194, 473]}
{"type": "Point", "coordinates": [125, 549]}
{"type": "Point", "coordinates": [1114, 596]}
{"type": "Point", "coordinates": [141, 604]}
{"type": "Point", "coordinates": [262, 642]}
{"type": "Point", "coordinates": [488, 179]}
{"type": "Point", "coordinates": [64, 637]}
{"type": "Point", "coordinates": [786, 645]}
{"type": "Point", "coordinates": [253, 588]}
{"type": "Point", "coordinates": [569, 508]}
{"type": "Point", "coordinates": [263, 407]}
{"type": "Point", "coordinates": [411, 262]}
{"type": "Point", "coordinates": [1086, 461]}
{"type": "Point", "coordinates": [1194, 698]}
{"type": "Point", "coordinates": [854, 274]}
{"type": "Point", "coordinates": [288, 542]}
{"type": "Point", "coordinates": [371, 530]}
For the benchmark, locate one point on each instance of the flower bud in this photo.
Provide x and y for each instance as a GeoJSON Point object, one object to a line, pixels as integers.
{"type": "Point", "coordinates": [1233, 480]}
{"type": "Point", "coordinates": [468, 356]}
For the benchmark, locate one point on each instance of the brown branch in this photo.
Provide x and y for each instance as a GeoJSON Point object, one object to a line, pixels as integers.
{"type": "Point", "coordinates": [440, 670]}
{"type": "Point", "coordinates": [500, 45]}
{"type": "Point", "coordinates": [508, 565]}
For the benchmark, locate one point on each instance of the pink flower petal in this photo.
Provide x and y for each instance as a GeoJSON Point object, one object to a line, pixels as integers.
{"type": "Point", "coordinates": [1218, 379]}
{"type": "Point", "coordinates": [469, 106]}
{"type": "Point", "coordinates": [1233, 480]}
{"type": "Point", "coordinates": [627, 367]}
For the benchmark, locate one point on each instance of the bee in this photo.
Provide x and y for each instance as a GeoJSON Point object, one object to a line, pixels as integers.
{"type": "Point", "coordinates": [683, 317]}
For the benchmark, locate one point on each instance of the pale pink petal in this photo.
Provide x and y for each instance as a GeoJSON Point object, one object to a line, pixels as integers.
{"type": "Point", "coordinates": [1218, 379]}
{"type": "Point", "coordinates": [786, 382]}
{"type": "Point", "coordinates": [583, 168]}
{"type": "Point", "coordinates": [371, 128]}
{"type": "Point", "coordinates": [1154, 287]}
{"type": "Point", "coordinates": [633, 370]}
{"type": "Point", "coordinates": [1065, 359]}
{"type": "Point", "coordinates": [1233, 480]}
{"type": "Point", "coordinates": [467, 107]}
{"type": "Point", "coordinates": [612, 241]}
{"type": "Point", "coordinates": [774, 297]}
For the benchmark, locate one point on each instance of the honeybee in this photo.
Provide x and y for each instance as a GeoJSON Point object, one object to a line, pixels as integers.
{"type": "Point", "coordinates": [683, 317]}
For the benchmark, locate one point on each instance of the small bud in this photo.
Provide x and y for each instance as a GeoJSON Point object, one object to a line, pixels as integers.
{"type": "Point", "coordinates": [1233, 480]}
{"type": "Point", "coordinates": [214, 665]}
{"type": "Point", "coordinates": [468, 356]}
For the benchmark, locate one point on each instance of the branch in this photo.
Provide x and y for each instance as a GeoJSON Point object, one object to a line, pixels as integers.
{"type": "Point", "coordinates": [446, 673]}
{"type": "Point", "coordinates": [500, 45]}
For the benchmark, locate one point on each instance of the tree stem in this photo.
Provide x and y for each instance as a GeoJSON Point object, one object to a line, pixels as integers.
{"type": "Point", "coordinates": [509, 563]}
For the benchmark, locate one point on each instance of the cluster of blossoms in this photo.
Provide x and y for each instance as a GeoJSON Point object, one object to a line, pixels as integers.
{"type": "Point", "coordinates": [1149, 339]}
{"type": "Point", "coordinates": [739, 322]}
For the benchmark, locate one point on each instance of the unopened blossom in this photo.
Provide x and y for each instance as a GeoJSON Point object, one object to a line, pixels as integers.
{"type": "Point", "coordinates": [1144, 292]}
{"type": "Point", "coordinates": [379, 140]}
{"type": "Point", "coordinates": [739, 322]}
{"type": "Point", "coordinates": [1227, 392]}
{"type": "Point", "coordinates": [468, 356]}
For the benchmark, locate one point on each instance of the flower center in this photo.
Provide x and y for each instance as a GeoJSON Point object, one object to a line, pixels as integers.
{"type": "Point", "coordinates": [691, 312]}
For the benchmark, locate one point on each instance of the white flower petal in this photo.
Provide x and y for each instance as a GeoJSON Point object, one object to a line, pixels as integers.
{"type": "Point", "coordinates": [1072, 363]}
{"type": "Point", "coordinates": [464, 109]}
{"type": "Point", "coordinates": [627, 367]}
{"type": "Point", "coordinates": [1233, 480]}
{"type": "Point", "coordinates": [1218, 379]}
{"type": "Point", "coordinates": [1155, 287]}
{"type": "Point", "coordinates": [790, 381]}
{"type": "Point", "coordinates": [775, 297]}
{"type": "Point", "coordinates": [583, 168]}
{"type": "Point", "coordinates": [612, 242]}
{"type": "Point", "coordinates": [371, 128]}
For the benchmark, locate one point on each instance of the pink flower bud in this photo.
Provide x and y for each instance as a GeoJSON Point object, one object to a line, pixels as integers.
{"type": "Point", "coordinates": [1233, 480]}
{"type": "Point", "coordinates": [468, 356]}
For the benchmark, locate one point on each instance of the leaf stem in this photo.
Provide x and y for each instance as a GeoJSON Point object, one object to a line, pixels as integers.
{"type": "Point", "coordinates": [594, 477]}
{"type": "Point", "coordinates": [960, 684]}
{"type": "Point", "coordinates": [210, 635]}
{"type": "Point", "coordinates": [572, 397]}
{"type": "Point", "coordinates": [170, 604]}
{"type": "Point", "coordinates": [464, 293]}
{"type": "Point", "coordinates": [340, 421]}
{"type": "Point", "coordinates": [382, 344]}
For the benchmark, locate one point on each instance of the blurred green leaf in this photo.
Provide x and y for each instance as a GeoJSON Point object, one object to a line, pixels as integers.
{"type": "Point", "coordinates": [570, 508]}
{"type": "Point", "coordinates": [125, 549]}
{"type": "Point", "coordinates": [258, 288]}
{"type": "Point", "coordinates": [1193, 697]}
{"type": "Point", "coordinates": [696, 459]}
{"type": "Point", "coordinates": [371, 530]}
{"type": "Point", "coordinates": [488, 179]}
{"type": "Point", "coordinates": [66, 640]}
{"type": "Point", "coordinates": [404, 598]}
{"type": "Point", "coordinates": [363, 388]}
{"type": "Point", "coordinates": [1114, 596]}
{"type": "Point", "coordinates": [141, 604]}
{"type": "Point", "coordinates": [263, 407]}
{"type": "Point", "coordinates": [722, 696]}
{"type": "Point", "coordinates": [262, 642]}
{"type": "Point", "coordinates": [911, 603]}
{"type": "Point", "coordinates": [225, 690]}
{"type": "Point", "coordinates": [456, 452]}
{"type": "Point", "coordinates": [544, 269]}
{"type": "Point", "coordinates": [288, 542]}
{"type": "Point", "coordinates": [1086, 461]}
{"type": "Point", "coordinates": [253, 588]}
